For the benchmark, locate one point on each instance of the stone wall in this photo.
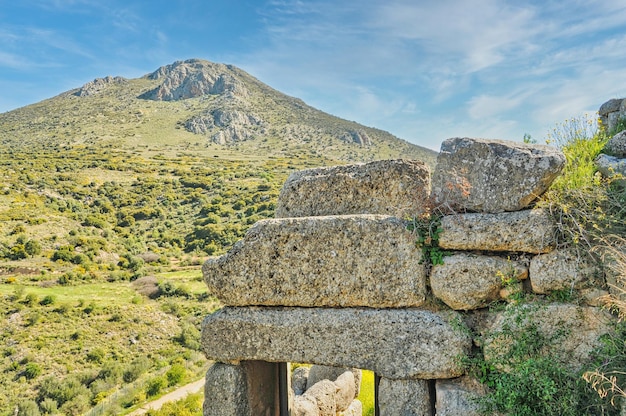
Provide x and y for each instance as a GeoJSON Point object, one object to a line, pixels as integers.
{"type": "Point", "coordinates": [337, 280]}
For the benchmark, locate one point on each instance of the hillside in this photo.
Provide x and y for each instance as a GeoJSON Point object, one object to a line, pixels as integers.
{"type": "Point", "coordinates": [112, 195]}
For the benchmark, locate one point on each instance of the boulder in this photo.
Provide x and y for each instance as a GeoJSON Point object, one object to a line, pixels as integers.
{"type": "Point", "coordinates": [458, 396]}
{"type": "Point", "coordinates": [616, 146]}
{"type": "Point", "coordinates": [404, 397]}
{"type": "Point", "coordinates": [323, 392]}
{"type": "Point", "coordinates": [394, 343]}
{"type": "Point", "coordinates": [610, 106]}
{"type": "Point", "coordinates": [303, 406]}
{"type": "Point", "coordinates": [481, 175]}
{"type": "Point", "coordinates": [345, 392]}
{"type": "Point", "coordinates": [299, 378]}
{"type": "Point", "coordinates": [390, 187]}
{"type": "Point", "coordinates": [611, 166]}
{"type": "Point", "coordinates": [561, 270]}
{"type": "Point", "coordinates": [355, 409]}
{"type": "Point", "coordinates": [322, 372]}
{"type": "Point", "coordinates": [572, 331]}
{"type": "Point", "coordinates": [530, 231]}
{"type": "Point", "coordinates": [469, 281]}
{"type": "Point", "coordinates": [343, 261]}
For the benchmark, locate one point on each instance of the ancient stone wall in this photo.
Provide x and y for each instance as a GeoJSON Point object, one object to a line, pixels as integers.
{"type": "Point", "coordinates": [337, 280]}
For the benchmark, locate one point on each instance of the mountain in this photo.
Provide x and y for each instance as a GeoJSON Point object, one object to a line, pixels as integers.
{"type": "Point", "coordinates": [215, 109]}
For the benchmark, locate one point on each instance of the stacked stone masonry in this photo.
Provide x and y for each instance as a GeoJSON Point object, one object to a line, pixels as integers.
{"type": "Point", "coordinates": [338, 281]}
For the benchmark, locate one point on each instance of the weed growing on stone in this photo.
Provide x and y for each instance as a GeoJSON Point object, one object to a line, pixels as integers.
{"type": "Point", "coordinates": [428, 230]}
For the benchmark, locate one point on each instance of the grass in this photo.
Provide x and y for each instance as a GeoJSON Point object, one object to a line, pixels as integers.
{"type": "Point", "coordinates": [366, 395]}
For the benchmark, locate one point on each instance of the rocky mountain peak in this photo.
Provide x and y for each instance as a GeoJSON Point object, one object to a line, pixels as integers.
{"type": "Point", "coordinates": [194, 78]}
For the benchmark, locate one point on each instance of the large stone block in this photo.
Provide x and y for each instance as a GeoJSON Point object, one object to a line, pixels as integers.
{"type": "Point", "coordinates": [457, 397]}
{"type": "Point", "coordinates": [572, 332]}
{"type": "Point", "coordinates": [470, 281]}
{"type": "Point", "coordinates": [249, 389]}
{"type": "Point", "coordinates": [396, 344]}
{"type": "Point", "coordinates": [562, 270]}
{"type": "Point", "coordinates": [343, 261]}
{"type": "Point", "coordinates": [481, 175]}
{"type": "Point", "coordinates": [530, 231]}
{"type": "Point", "coordinates": [391, 187]}
{"type": "Point", "coordinates": [404, 397]}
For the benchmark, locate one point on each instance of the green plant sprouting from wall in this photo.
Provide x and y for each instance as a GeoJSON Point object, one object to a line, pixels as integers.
{"type": "Point", "coordinates": [428, 229]}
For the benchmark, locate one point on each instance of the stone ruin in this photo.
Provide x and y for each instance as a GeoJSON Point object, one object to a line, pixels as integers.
{"type": "Point", "coordinates": [336, 280]}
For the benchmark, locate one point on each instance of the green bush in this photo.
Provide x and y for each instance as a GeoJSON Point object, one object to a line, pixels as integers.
{"type": "Point", "coordinates": [155, 385]}
{"type": "Point", "coordinates": [176, 374]}
{"type": "Point", "coordinates": [32, 370]}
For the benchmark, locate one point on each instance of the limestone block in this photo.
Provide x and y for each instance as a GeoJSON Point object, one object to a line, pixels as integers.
{"type": "Point", "coordinates": [345, 389]}
{"type": "Point", "coordinates": [343, 261]}
{"type": "Point", "coordinates": [456, 397]}
{"type": "Point", "coordinates": [574, 330]}
{"type": "Point", "coordinates": [225, 391]}
{"type": "Point", "coordinates": [530, 231]}
{"type": "Point", "coordinates": [469, 281]}
{"type": "Point", "coordinates": [304, 406]}
{"type": "Point", "coordinates": [561, 269]}
{"type": "Point", "coordinates": [394, 343]}
{"type": "Point", "coordinates": [323, 392]}
{"type": "Point", "coordinates": [611, 166]}
{"type": "Point", "coordinates": [321, 372]}
{"type": "Point", "coordinates": [299, 378]}
{"type": "Point", "coordinates": [355, 409]}
{"type": "Point", "coordinates": [391, 187]}
{"type": "Point", "coordinates": [481, 175]}
{"type": "Point", "coordinates": [616, 146]}
{"type": "Point", "coordinates": [404, 397]}
{"type": "Point", "coordinates": [610, 106]}
{"type": "Point", "coordinates": [248, 389]}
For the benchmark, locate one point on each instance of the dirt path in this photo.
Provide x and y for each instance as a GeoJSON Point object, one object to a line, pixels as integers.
{"type": "Point", "coordinates": [177, 394]}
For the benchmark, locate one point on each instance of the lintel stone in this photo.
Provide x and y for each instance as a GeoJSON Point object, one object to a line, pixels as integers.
{"type": "Point", "coordinates": [394, 343]}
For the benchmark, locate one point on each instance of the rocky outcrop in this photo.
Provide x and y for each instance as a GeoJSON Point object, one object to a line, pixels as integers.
{"type": "Point", "coordinates": [390, 187]}
{"type": "Point", "coordinates": [394, 343]}
{"type": "Point", "coordinates": [321, 261]}
{"type": "Point", "coordinates": [98, 85]}
{"type": "Point", "coordinates": [193, 78]}
{"type": "Point", "coordinates": [529, 231]}
{"type": "Point", "coordinates": [480, 175]}
{"type": "Point", "coordinates": [359, 137]}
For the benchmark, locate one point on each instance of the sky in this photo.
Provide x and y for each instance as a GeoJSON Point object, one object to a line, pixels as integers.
{"type": "Point", "coordinates": [423, 70]}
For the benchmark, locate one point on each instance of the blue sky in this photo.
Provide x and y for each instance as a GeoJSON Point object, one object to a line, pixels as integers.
{"type": "Point", "coordinates": [423, 70]}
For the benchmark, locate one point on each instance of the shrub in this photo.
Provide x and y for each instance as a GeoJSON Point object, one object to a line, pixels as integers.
{"type": "Point", "coordinates": [32, 370]}
{"type": "Point", "coordinates": [155, 385]}
{"type": "Point", "coordinates": [139, 366]}
{"type": "Point", "coordinates": [175, 374]}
